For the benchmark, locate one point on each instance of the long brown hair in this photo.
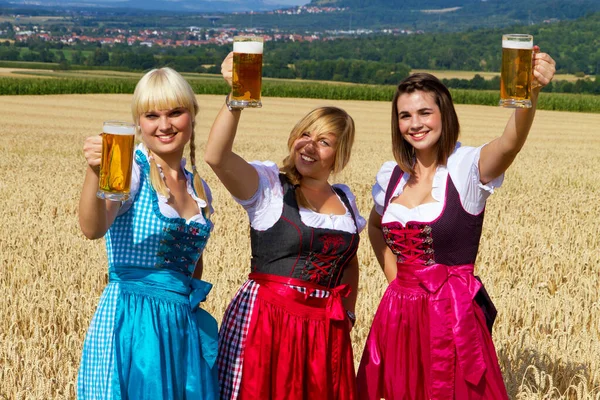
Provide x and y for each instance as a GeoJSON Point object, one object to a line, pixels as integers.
{"type": "Point", "coordinates": [404, 152]}
{"type": "Point", "coordinates": [329, 119]}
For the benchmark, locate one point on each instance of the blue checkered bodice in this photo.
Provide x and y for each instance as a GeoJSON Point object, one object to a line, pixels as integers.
{"type": "Point", "coordinates": [144, 238]}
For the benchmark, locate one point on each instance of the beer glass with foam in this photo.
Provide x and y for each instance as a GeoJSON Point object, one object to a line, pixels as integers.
{"type": "Point", "coordinates": [117, 160]}
{"type": "Point", "coordinates": [516, 74]}
{"type": "Point", "coordinates": [247, 71]}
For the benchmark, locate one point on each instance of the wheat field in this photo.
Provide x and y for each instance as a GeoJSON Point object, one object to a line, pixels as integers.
{"type": "Point", "coordinates": [539, 255]}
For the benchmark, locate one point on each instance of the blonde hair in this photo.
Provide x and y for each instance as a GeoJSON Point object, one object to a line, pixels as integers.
{"type": "Point", "coordinates": [164, 89]}
{"type": "Point", "coordinates": [332, 120]}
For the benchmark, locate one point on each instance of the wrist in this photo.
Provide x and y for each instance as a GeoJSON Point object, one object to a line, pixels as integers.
{"type": "Point", "coordinates": [229, 107]}
{"type": "Point", "coordinates": [351, 316]}
{"type": "Point", "coordinates": [94, 169]}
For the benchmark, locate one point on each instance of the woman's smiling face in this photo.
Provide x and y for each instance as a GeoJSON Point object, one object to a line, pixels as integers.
{"type": "Point", "coordinates": [314, 154]}
{"type": "Point", "coordinates": [419, 120]}
{"type": "Point", "coordinates": [166, 131]}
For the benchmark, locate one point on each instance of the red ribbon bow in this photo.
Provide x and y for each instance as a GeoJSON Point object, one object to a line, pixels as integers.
{"type": "Point", "coordinates": [335, 307]}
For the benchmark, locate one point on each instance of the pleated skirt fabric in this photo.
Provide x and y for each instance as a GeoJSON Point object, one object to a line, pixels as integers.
{"type": "Point", "coordinates": [396, 362]}
{"type": "Point", "coordinates": [147, 344]}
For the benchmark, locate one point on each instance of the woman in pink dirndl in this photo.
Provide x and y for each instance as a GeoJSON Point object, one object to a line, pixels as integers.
{"type": "Point", "coordinates": [431, 335]}
{"type": "Point", "coordinates": [286, 333]}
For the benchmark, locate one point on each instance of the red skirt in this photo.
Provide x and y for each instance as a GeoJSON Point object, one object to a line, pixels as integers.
{"type": "Point", "coordinates": [298, 347]}
{"type": "Point", "coordinates": [429, 340]}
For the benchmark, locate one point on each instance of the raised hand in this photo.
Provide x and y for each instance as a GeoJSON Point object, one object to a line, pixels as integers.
{"type": "Point", "coordinates": [544, 68]}
{"type": "Point", "coordinates": [227, 68]}
{"type": "Point", "coordinates": [92, 151]}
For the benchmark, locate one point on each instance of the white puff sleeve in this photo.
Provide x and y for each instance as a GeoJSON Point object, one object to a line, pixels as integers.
{"type": "Point", "coordinates": [264, 207]}
{"type": "Point", "coordinates": [360, 221]}
{"type": "Point", "coordinates": [463, 167]}
{"type": "Point", "coordinates": [382, 180]}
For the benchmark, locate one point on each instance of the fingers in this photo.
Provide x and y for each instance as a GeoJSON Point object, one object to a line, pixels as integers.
{"type": "Point", "coordinates": [544, 67]}
{"type": "Point", "coordinates": [227, 68]}
{"type": "Point", "coordinates": [92, 150]}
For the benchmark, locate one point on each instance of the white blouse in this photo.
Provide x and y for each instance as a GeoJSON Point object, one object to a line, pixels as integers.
{"type": "Point", "coordinates": [463, 167]}
{"type": "Point", "coordinates": [264, 208]}
{"type": "Point", "coordinates": [165, 208]}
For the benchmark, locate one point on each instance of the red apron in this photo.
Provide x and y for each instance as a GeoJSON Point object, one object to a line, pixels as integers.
{"type": "Point", "coordinates": [298, 347]}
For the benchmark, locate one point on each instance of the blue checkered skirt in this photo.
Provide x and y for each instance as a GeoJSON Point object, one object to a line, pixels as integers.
{"type": "Point", "coordinates": [145, 343]}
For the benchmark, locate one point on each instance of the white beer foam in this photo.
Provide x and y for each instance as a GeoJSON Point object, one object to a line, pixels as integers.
{"type": "Point", "coordinates": [119, 129]}
{"type": "Point", "coordinates": [513, 44]}
{"type": "Point", "coordinates": [248, 47]}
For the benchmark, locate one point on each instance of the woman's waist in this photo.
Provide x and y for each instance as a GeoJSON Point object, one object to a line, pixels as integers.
{"type": "Point", "coordinates": [301, 297]}
{"type": "Point", "coordinates": [422, 279]}
{"type": "Point", "coordinates": [302, 289]}
{"type": "Point", "coordinates": [304, 271]}
{"type": "Point", "coordinates": [160, 283]}
{"type": "Point", "coordinates": [151, 277]}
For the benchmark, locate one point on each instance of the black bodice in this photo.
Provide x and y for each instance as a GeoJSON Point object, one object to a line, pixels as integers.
{"type": "Point", "coordinates": [292, 249]}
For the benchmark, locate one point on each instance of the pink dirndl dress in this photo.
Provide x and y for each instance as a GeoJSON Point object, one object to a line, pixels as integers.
{"type": "Point", "coordinates": [430, 338]}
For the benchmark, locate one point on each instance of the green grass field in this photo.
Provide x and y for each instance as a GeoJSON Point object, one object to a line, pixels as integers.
{"type": "Point", "coordinates": [16, 81]}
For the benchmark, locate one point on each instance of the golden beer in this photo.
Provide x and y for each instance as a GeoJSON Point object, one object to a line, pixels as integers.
{"type": "Point", "coordinates": [117, 160]}
{"type": "Point", "coordinates": [247, 71]}
{"type": "Point", "coordinates": [516, 74]}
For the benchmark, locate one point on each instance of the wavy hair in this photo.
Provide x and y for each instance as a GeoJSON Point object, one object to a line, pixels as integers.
{"type": "Point", "coordinates": [328, 119]}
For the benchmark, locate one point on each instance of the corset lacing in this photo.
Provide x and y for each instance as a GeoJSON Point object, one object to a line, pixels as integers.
{"type": "Point", "coordinates": [320, 265]}
{"type": "Point", "coordinates": [412, 244]}
{"type": "Point", "coordinates": [180, 248]}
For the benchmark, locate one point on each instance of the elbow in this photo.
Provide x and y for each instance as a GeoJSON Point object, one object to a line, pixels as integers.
{"type": "Point", "coordinates": [92, 234]}
{"type": "Point", "coordinates": [213, 160]}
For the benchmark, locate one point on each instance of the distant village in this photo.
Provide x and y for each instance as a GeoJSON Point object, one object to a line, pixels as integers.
{"type": "Point", "coordinates": [192, 35]}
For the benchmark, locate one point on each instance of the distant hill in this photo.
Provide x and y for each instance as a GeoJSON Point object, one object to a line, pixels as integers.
{"type": "Point", "coordinates": [475, 13]}
{"type": "Point", "coordinates": [226, 6]}
{"type": "Point", "coordinates": [352, 16]}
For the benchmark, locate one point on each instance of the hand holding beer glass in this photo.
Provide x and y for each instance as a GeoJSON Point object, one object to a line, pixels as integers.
{"type": "Point", "coordinates": [116, 163]}
{"type": "Point", "coordinates": [516, 75]}
{"type": "Point", "coordinates": [247, 72]}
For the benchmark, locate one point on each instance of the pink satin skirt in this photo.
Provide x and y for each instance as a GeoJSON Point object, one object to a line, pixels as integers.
{"type": "Point", "coordinates": [414, 352]}
{"type": "Point", "coordinates": [297, 348]}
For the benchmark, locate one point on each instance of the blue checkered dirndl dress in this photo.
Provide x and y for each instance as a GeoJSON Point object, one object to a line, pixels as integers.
{"type": "Point", "coordinates": [148, 338]}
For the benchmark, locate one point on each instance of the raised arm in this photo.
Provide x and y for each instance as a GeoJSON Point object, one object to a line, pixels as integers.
{"type": "Point", "coordinates": [385, 257]}
{"type": "Point", "coordinates": [239, 177]}
{"type": "Point", "coordinates": [499, 154]}
{"type": "Point", "coordinates": [95, 215]}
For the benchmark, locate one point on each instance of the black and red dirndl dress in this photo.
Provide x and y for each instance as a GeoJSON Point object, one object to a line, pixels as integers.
{"type": "Point", "coordinates": [285, 334]}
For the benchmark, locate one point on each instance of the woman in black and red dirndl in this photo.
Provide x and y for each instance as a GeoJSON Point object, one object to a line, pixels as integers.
{"type": "Point", "coordinates": [286, 333]}
{"type": "Point", "coordinates": [431, 335]}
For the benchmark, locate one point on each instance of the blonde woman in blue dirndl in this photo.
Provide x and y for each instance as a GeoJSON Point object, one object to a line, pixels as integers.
{"type": "Point", "coordinates": [148, 338]}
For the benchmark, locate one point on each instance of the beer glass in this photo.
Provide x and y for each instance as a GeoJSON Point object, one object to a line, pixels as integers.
{"type": "Point", "coordinates": [247, 71]}
{"type": "Point", "coordinates": [516, 75]}
{"type": "Point", "coordinates": [117, 160]}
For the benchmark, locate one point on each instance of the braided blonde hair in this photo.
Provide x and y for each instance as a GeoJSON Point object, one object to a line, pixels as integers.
{"type": "Point", "coordinates": [162, 89]}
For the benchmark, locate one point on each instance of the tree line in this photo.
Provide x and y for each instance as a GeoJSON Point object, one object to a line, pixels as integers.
{"type": "Point", "coordinates": [369, 60]}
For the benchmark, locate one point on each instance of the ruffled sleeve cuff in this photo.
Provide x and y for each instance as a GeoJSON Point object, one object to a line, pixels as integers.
{"type": "Point", "coordinates": [490, 186]}
{"type": "Point", "coordinates": [360, 221]}
{"type": "Point", "coordinates": [382, 180]}
{"type": "Point", "coordinates": [268, 186]}
{"type": "Point", "coordinates": [464, 170]}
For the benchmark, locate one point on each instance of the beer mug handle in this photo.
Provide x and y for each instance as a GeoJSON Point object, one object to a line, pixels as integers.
{"type": "Point", "coordinates": [534, 83]}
